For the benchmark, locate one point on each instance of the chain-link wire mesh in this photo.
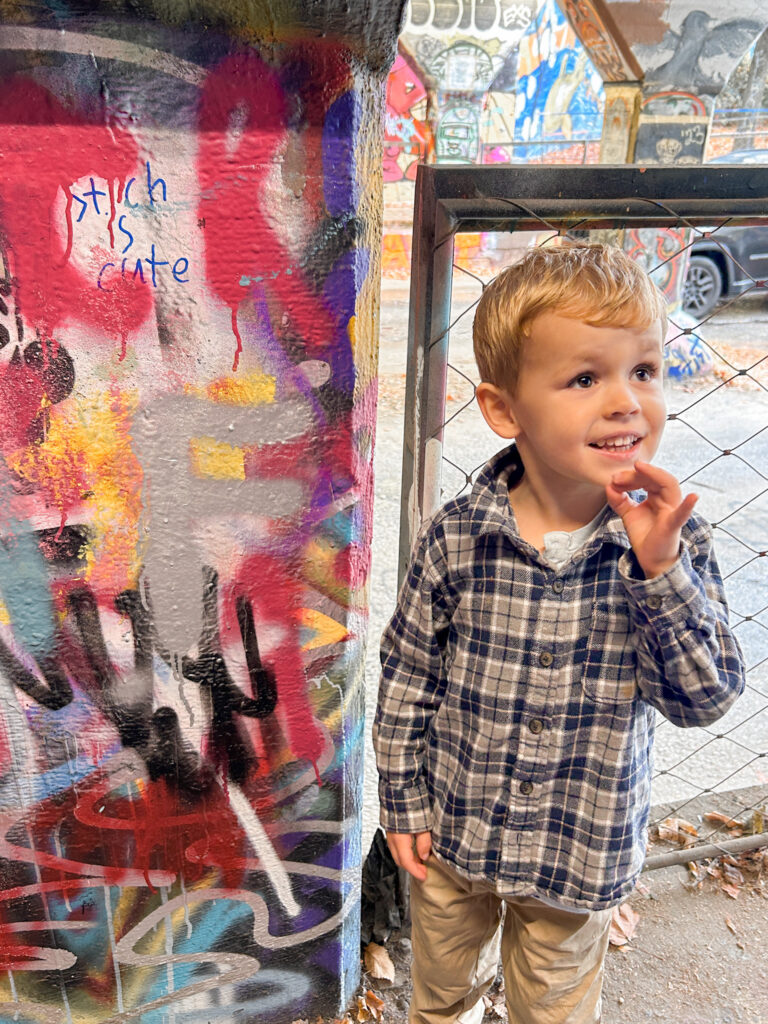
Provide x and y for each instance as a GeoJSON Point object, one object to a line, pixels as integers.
{"type": "Point", "coordinates": [710, 785]}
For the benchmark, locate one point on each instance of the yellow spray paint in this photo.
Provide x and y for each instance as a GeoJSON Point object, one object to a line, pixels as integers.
{"type": "Point", "coordinates": [86, 471]}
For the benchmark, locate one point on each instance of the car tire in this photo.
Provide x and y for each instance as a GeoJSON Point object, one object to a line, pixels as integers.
{"type": "Point", "coordinates": [703, 286]}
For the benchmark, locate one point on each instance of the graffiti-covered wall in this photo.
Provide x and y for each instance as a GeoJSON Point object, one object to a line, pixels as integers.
{"type": "Point", "coordinates": [484, 82]}
{"type": "Point", "coordinates": [739, 128]}
{"type": "Point", "coordinates": [688, 52]}
{"type": "Point", "coordinates": [468, 48]}
{"type": "Point", "coordinates": [407, 132]}
{"type": "Point", "coordinates": [560, 97]}
{"type": "Point", "coordinates": [189, 229]}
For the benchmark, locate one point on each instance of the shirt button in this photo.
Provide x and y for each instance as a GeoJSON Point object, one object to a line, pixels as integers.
{"type": "Point", "coordinates": [557, 586]}
{"type": "Point", "coordinates": [526, 788]}
{"type": "Point", "coordinates": [654, 602]}
{"type": "Point", "coordinates": [546, 658]}
{"type": "Point", "coordinates": [536, 725]}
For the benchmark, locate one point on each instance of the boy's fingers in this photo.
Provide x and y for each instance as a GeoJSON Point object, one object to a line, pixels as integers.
{"type": "Point", "coordinates": [683, 511]}
{"type": "Point", "coordinates": [627, 480]}
{"type": "Point", "coordinates": [657, 481]}
{"type": "Point", "coordinates": [401, 848]}
{"type": "Point", "coordinates": [652, 472]}
{"type": "Point", "coordinates": [659, 485]}
{"type": "Point", "coordinates": [642, 474]}
{"type": "Point", "coordinates": [619, 500]}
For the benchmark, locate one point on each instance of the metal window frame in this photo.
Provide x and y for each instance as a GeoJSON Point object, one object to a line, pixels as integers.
{"type": "Point", "coordinates": [451, 199]}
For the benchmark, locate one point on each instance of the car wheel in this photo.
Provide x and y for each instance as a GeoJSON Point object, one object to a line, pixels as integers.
{"type": "Point", "coordinates": [703, 286]}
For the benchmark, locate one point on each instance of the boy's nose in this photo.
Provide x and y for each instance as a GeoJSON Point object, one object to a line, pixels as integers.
{"type": "Point", "coordinates": [621, 401]}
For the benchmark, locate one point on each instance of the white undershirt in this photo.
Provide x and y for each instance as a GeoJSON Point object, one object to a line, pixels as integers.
{"type": "Point", "coordinates": [559, 545]}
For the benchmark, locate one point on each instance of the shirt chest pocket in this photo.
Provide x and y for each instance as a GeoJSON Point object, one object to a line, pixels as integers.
{"type": "Point", "coordinates": [609, 673]}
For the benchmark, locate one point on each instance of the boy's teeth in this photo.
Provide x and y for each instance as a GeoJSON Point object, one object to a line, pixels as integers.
{"type": "Point", "coordinates": [617, 442]}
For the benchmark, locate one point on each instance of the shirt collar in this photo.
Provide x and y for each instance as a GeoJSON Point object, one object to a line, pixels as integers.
{"type": "Point", "coordinates": [490, 511]}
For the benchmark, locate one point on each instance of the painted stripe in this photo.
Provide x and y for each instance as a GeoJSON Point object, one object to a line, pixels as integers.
{"type": "Point", "coordinates": [264, 849]}
{"type": "Point", "coordinates": [14, 37]}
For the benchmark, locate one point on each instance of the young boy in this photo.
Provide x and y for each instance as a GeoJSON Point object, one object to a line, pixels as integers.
{"type": "Point", "coordinates": [545, 617]}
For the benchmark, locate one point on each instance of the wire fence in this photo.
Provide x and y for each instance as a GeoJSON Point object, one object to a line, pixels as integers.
{"type": "Point", "coordinates": [710, 785]}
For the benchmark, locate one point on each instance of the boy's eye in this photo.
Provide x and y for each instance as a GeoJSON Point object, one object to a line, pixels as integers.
{"type": "Point", "coordinates": [646, 373]}
{"type": "Point", "coordinates": [584, 380]}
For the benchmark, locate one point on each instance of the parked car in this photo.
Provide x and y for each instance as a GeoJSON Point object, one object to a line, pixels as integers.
{"type": "Point", "coordinates": [727, 263]}
{"type": "Point", "coordinates": [723, 265]}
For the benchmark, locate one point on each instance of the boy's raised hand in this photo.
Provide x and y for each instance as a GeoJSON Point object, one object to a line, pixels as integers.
{"type": "Point", "coordinates": [410, 851]}
{"type": "Point", "coordinates": [653, 526]}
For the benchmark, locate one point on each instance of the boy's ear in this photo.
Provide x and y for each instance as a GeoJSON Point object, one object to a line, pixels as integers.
{"type": "Point", "coordinates": [496, 407]}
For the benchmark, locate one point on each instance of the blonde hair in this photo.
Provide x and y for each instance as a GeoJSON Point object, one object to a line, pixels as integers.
{"type": "Point", "coordinates": [596, 284]}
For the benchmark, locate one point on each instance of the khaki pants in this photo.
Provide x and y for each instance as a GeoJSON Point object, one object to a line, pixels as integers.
{"type": "Point", "coordinates": [552, 959]}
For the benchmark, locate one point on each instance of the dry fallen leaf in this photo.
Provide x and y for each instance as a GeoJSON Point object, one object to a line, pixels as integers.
{"type": "Point", "coordinates": [495, 1003]}
{"type": "Point", "coordinates": [715, 818]}
{"type": "Point", "coordinates": [375, 1004]}
{"type": "Point", "coordinates": [732, 875]}
{"type": "Point", "coordinates": [731, 926]}
{"type": "Point", "coordinates": [623, 924]}
{"type": "Point", "coordinates": [696, 877]}
{"type": "Point", "coordinates": [363, 1012]}
{"type": "Point", "coordinates": [730, 890]}
{"type": "Point", "coordinates": [678, 830]}
{"type": "Point", "coordinates": [378, 962]}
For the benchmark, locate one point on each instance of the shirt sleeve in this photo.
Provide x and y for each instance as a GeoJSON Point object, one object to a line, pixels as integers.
{"type": "Point", "coordinates": [410, 691]}
{"type": "Point", "coordinates": [691, 665]}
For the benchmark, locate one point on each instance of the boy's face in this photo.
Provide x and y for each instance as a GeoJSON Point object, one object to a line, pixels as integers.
{"type": "Point", "coordinates": [589, 401]}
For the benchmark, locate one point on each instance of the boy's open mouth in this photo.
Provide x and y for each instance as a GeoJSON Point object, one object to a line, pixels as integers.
{"type": "Point", "coordinates": [621, 443]}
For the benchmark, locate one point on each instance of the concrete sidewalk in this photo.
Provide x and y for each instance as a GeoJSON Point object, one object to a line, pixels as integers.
{"type": "Point", "coordinates": [697, 957]}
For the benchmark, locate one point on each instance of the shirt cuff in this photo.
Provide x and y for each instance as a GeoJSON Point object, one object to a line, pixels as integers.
{"type": "Point", "coordinates": [405, 810]}
{"type": "Point", "coordinates": [676, 594]}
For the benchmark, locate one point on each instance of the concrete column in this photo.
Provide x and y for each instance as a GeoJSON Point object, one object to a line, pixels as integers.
{"type": "Point", "coordinates": [622, 107]}
{"type": "Point", "coordinates": [604, 41]}
{"type": "Point", "coordinates": [190, 223]}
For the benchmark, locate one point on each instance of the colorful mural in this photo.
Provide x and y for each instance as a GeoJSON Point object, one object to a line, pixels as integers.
{"type": "Point", "coordinates": [560, 96]}
{"type": "Point", "coordinates": [622, 103]}
{"type": "Point", "coordinates": [699, 50]}
{"type": "Point", "coordinates": [662, 254]}
{"type": "Point", "coordinates": [604, 41]}
{"type": "Point", "coordinates": [407, 134]}
{"type": "Point", "coordinates": [187, 398]}
{"type": "Point", "coordinates": [468, 49]}
{"type": "Point", "coordinates": [511, 84]}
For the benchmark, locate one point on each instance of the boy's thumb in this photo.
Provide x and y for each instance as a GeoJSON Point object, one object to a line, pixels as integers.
{"type": "Point", "coordinates": [423, 845]}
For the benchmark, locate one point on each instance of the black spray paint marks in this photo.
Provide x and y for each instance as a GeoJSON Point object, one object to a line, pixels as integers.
{"type": "Point", "coordinates": [156, 733]}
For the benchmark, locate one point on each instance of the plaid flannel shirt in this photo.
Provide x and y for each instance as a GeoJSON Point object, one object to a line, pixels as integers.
{"type": "Point", "coordinates": [516, 707]}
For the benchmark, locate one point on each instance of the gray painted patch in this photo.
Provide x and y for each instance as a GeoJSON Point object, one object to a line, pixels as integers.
{"type": "Point", "coordinates": [176, 501]}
